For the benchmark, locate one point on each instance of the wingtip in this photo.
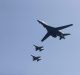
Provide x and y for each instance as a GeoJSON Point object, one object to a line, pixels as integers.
{"type": "Point", "coordinates": [41, 40]}
{"type": "Point", "coordinates": [32, 55]}
{"type": "Point", "coordinates": [37, 20]}
{"type": "Point", "coordinates": [33, 45]}
{"type": "Point", "coordinates": [71, 24]}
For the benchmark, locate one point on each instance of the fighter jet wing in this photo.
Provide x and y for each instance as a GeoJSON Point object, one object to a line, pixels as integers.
{"type": "Point", "coordinates": [41, 47]}
{"type": "Point", "coordinates": [63, 27]}
{"type": "Point", "coordinates": [38, 57]}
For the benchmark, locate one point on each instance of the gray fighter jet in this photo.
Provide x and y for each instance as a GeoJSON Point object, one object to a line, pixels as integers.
{"type": "Point", "coordinates": [38, 48]}
{"type": "Point", "coordinates": [54, 31]}
{"type": "Point", "coordinates": [37, 58]}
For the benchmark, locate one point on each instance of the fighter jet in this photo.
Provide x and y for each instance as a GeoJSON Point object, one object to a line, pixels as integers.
{"type": "Point", "coordinates": [38, 48]}
{"type": "Point", "coordinates": [37, 58]}
{"type": "Point", "coordinates": [54, 31]}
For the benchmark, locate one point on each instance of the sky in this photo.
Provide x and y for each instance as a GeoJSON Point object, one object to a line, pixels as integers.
{"type": "Point", "coordinates": [19, 31]}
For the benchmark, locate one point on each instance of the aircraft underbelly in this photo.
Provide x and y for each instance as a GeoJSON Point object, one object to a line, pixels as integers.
{"type": "Point", "coordinates": [55, 33]}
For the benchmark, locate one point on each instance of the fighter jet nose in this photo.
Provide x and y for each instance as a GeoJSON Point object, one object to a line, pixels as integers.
{"type": "Point", "coordinates": [33, 45]}
{"type": "Point", "coordinates": [32, 55]}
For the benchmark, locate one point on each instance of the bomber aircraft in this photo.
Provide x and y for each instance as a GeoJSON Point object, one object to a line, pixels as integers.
{"type": "Point", "coordinates": [40, 48]}
{"type": "Point", "coordinates": [37, 58]}
{"type": "Point", "coordinates": [54, 31]}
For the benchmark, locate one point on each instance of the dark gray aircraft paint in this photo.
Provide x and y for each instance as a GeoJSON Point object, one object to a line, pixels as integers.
{"type": "Point", "coordinates": [54, 31]}
{"type": "Point", "coordinates": [37, 58]}
{"type": "Point", "coordinates": [38, 48]}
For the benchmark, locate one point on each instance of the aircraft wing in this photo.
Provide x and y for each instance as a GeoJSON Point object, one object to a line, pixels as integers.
{"type": "Point", "coordinates": [42, 23]}
{"type": "Point", "coordinates": [41, 47]}
{"type": "Point", "coordinates": [45, 37]}
{"type": "Point", "coordinates": [38, 57]}
{"type": "Point", "coordinates": [63, 27]}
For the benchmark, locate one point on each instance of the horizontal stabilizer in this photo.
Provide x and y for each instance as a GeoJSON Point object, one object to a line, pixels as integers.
{"type": "Point", "coordinates": [66, 34]}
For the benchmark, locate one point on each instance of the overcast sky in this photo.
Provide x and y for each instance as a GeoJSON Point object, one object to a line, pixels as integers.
{"type": "Point", "coordinates": [19, 30]}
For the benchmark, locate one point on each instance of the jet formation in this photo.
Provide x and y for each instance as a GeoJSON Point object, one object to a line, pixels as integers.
{"type": "Point", "coordinates": [51, 31]}
{"type": "Point", "coordinates": [54, 31]}
{"type": "Point", "coordinates": [37, 48]}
